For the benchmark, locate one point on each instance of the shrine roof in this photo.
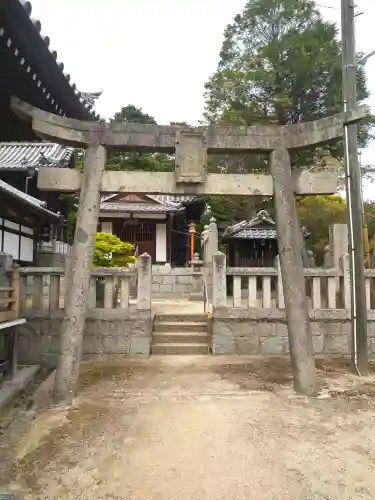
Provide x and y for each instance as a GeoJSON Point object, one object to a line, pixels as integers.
{"type": "Point", "coordinates": [24, 155]}
{"type": "Point", "coordinates": [137, 204]}
{"type": "Point", "coordinates": [26, 199]}
{"type": "Point", "coordinates": [262, 226]}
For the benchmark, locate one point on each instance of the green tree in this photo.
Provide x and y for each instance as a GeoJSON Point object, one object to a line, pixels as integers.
{"type": "Point", "coordinates": [152, 162]}
{"type": "Point", "coordinates": [280, 63]}
{"type": "Point", "coordinates": [318, 213]}
{"type": "Point", "coordinates": [110, 251]}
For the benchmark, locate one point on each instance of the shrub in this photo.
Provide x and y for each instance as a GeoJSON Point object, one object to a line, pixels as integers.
{"type": "Point", "coordinates": [110, 251]}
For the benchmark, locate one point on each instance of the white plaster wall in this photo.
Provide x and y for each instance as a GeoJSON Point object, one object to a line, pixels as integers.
{"type": "Point", "coordinates": [11, 244]}
{"type": "Point", "coordinates": [27, 249]}
{"type": "Point", "coordinates": [161, 243]}
{"type": "Point", "coordinates": [106, 227]}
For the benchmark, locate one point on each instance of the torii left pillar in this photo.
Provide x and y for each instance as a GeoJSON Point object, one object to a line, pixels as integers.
{"type": "Point", "coordinates": [78, 275]}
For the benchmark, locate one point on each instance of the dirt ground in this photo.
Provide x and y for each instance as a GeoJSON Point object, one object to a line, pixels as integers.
{"type": "Point", "coordinates": [199, 428]}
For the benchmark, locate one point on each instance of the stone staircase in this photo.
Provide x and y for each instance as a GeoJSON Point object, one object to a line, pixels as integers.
{"type": "Point", "coordinates": [180, 334]}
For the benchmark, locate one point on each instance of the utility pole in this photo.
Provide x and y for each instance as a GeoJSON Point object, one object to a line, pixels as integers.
{"type": "Point", "coordinates": [354, 194]}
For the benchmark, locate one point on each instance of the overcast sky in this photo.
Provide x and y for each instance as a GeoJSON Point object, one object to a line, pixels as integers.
{"type": "Point", "coordinates": [157, 54]}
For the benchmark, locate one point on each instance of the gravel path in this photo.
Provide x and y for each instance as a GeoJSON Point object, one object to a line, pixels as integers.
{"type": "Point", "coordinates": [199, 428]}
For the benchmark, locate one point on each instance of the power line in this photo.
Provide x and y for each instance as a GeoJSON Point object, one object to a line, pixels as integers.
{"type": "Point", "coordinates": [327, 6]}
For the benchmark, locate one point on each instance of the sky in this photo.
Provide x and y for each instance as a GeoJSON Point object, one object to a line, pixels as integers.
{"type": "Point", "coordinates": [157, 54]}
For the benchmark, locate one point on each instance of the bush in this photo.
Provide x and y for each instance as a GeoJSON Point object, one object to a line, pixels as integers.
{"type": "Point", "coordinates": [110, 251]}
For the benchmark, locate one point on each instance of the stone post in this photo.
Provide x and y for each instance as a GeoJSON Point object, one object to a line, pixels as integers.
{"type": "Point", "coordinates": [338, 243]}
{"type": "Point", "coordinates": [197, 294]}
{"type": "Point", "coordinates": [144, 282]}
{"type": "Point", "coordinates": [78, 275]}
{"type": "Point", "coordinates": [213, 240]}
{"type": "Point", "coordinates": [311, 258]}
{"type": "Point", "coordinates": [211, 247]}
{"type": "Point", "coordinates": [346, 297]}
{"type": "Point", "coordinates": [289, 245]}
{"type": "Point", "coordinates": [327, 263]}
{"type": "Point", "coordinates": [219, 280]}
{"type": "Point", "coordinates": [204, 241]}
{"type": "Point", "coordinates": [280, 289]}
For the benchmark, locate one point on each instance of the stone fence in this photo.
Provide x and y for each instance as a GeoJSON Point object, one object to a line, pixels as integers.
{"type": "Point", "coordinates": [119, 319]}
{"type": "Point", "coordinates": [252, 319]}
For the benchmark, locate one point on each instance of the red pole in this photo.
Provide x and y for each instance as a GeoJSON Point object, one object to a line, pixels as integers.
{"type": "Point", "coordinates": [192, 239]}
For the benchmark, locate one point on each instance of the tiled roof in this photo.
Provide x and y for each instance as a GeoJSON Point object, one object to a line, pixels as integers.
{"type": "Point", "coordinates": [262, 226]}
{"type": "Point", "coordinates": [86, 99]}
{"type": "Point", "coordinates": [23, 155]}
{"type": "Point", "coordinates": [26, 199]}
{"type": "Point", "coordinates": [123, 206]}
{"type": "Point", "coordinates": [171, 198]}
{"type": "Point", "coordinates": [256, 234]}
{"type": "Point", "coordinates": [162, 198]}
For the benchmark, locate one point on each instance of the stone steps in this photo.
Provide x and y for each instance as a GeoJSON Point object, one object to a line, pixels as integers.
{"type": "Point", "coordinates": [180, 338]}
{"type": "Point", "coordinates": [181, 326]}
{"type": "Point", "coordinates": [180, 318]}
{"type": "Point", "coordinates": [183, 349]}
{"type": "Point", "coordinates": [180, 334]}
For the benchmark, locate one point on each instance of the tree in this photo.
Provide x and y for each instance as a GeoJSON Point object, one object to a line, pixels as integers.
{"type": "Point", "coordinates": [280, 63]}
{"type": "Point", "coordinates": [110, 251]}
{"type": "Point", "coordinates": [132, 114]}
{"type": "Point", "coordinates": [152, 162]}
{"type": "Point", "coordinates": [318, 213]}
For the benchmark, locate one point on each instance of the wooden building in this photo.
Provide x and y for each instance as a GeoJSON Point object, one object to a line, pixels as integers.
{"type": "Point", "coordinates": [22, 221]}
{"type": "Point", "coordinates": [155, 224]}
{"type": "Point", "coordinates": [30, 70]}
{"type": "Point", "coordinates": [253, 243]}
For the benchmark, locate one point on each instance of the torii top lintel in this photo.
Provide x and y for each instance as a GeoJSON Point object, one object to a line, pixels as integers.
{"type": "Point", "coordinates": [148, 138]}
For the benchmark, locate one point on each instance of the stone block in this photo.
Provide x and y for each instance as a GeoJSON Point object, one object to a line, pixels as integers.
{"type": "Point", "coordinates": [223, 344]}
{"type": "Point", "coordinates": [183, 280]}
{"type": "Point", "coordinates": [140, 346]}
{"type": "Point", "coordinates": [371, 328]}
{"type": "Point", "coordinates": [327, 327]}
{"type": "Point", "coordinates": [181, 271]}
{"type": "Point", "coordinates": [54, 343]}
{"type": "Point", "coordinates": [116, 344]}
{"type": "Point", "coordinates": [318, 344]}
{"type": "Point", "coordinates": [93, 344]}
{"type": "Point", "coordinates": [274, 345]}
{"type": "Point", "coordinates": [158, 270]}
{"type": "Point", "coordinates": [183, 289]}
{"type": "Point", "coordinates": [157, 278]}
{"type": "Point", "coordinates": [169, 280]}
{"type": "Point", "coordinates": [166, 289]}
{"type": "Point", "coordinates": [247, 343]}
{"type": "Point", "coordinates": [281, 329]}
{"type": "Point", "coordinates": [155, 287]}
{"type": "Point", "coordinates": [336, 344]}
{"type": "Point", "coordinates": [371, 346]}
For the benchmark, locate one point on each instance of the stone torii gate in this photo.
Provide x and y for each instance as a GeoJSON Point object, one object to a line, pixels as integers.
{"type": "Point", "coordinates": [190, 146]}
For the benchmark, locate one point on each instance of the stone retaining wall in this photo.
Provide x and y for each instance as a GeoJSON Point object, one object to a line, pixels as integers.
{"type": "Point", "coordinates": [108, 333]}
{"type": "Point", "coordinates": [172, 282]}
{"type": "Point", "coordinates": [241, 331]}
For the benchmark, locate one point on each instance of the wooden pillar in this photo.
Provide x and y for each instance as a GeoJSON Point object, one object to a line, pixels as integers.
{"type": "Point", "coordinates": [296, 306]}
{"type": "Point", "coordinates": [78, 275]}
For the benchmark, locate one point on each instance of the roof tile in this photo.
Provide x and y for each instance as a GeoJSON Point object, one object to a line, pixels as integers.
{"type": "Point", "coordinates": [24, 155]}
